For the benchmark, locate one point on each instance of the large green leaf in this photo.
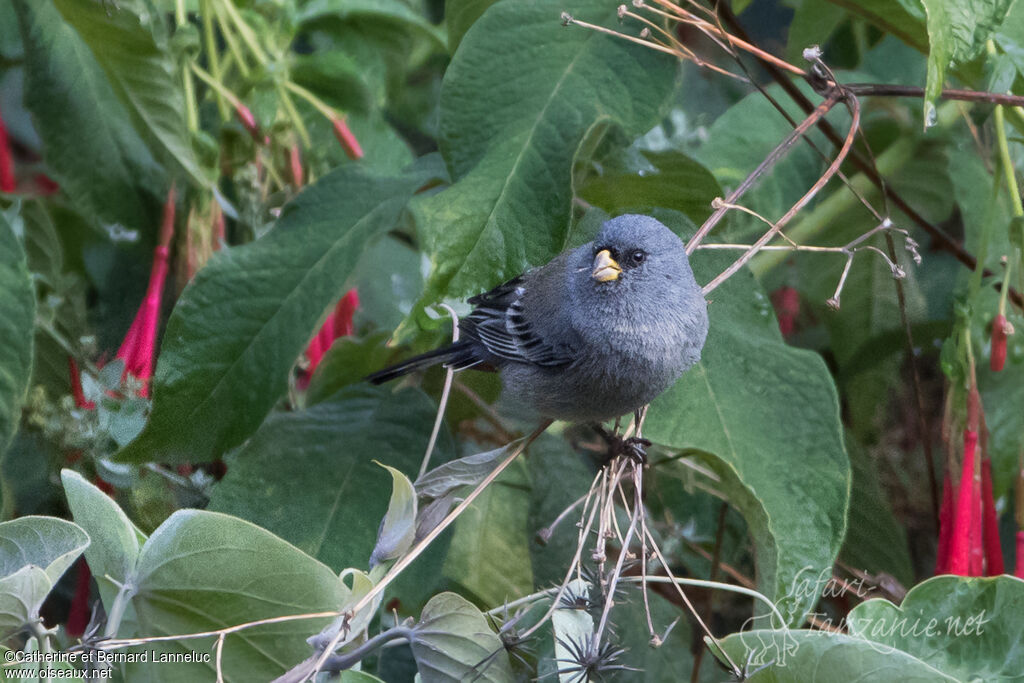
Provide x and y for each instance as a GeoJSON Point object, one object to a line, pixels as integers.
{"type": "Point", "coordinates": [17, 319]}
{"type": "Point", "coordinates": [967, 627]}
{"type": "Point", "coordinates": [511, 147]}
{"type": "Point", "coordinates": [765, 416]}
{"type": "Point", "coordinates": [452, 642]}
{"type": "Point", "coordinates": [203, 570]}
{"type": "Point", "coordinates": [459, 15]}
{"type": "Point", "coordinates": [130, 42]}
{"type": "Point", "coordinates": [115, 540]}
{"type": "Point", "coordinates": [239, 326]}
{"type": "Point", "coordinates": [309, 476]}
{"type": "Point", "coordinates": [819, 657]}
{"type": "Point", "coordinates": [379, 12]}
{"type": "Point", "coordinates": [34, 553]}
{"type": "Point", "coordinates": [490, 556]}
{"type": "Point", "coordinates": [957, 31]}
{"type": "Point", "coordinates": [677, 182]}
{"type": "Point", "coordinates": [90, 145]}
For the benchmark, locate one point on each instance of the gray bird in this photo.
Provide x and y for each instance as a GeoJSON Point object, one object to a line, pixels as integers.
{"type": "Point", "coordinates": [596, 333]}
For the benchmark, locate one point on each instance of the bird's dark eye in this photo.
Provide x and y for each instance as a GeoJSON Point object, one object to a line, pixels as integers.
{"type": "Point", "coordinates": [638, 257]}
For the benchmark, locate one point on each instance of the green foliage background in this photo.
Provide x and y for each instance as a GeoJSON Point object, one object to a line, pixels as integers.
{"type": "Point", "coordinates": [494, 137]}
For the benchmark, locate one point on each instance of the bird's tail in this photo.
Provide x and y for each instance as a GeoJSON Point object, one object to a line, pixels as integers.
{"type": "Point", "coordinates": [458, 355]}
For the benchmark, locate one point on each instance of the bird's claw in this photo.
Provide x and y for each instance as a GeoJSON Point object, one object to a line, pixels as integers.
{"type": "Point", "coordinates": [634, 447]}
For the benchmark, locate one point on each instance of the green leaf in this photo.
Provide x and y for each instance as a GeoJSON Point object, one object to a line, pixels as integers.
{"type": "Point", "coordinates": [108, 173]}
{"type": "Point", "coordinates": [398, 528]}
{"type": "Point", "coordinates": [452, 640]}
{"type": "Point", "coordinates": [459, 15]}
{"type": "Point", "coordinates": [816, 656]}
{"type": "Point", "coordinates": [309, 476]}
{"type": "Point", "coordinates": [349, 360]}
{"type": "Point", "coordinates": [957, 31]}
{"type": "Point", "coordinates": [21, 597]}
{"type": "Point", "coordinates": [678, 183]}
{"type": "Point", "coordinates": [467, 471]}
{"type": "Point", "coordinates": [378, 11]}
{"type": "Point", "coordinates": [489, 557]}
{"type": "Point", "coordinates": [34, 553]}
{"type": "Point", "coordinates": [765, 416]}
{"type": "Point", "coordinates": [967, 627]}
{"type": "Point", "coordinates": [17, 322]}
{"type": "Point", "coordinates": [49, 543]}
{"type": "Point", "coordinates": [115, 540]}
{"type": "Point", "coordinates": [511, 148]}
{"type": "Point", "coordinates": [202, 571]}
{"type": "Point", "coordinates": [130, 42]}
{"type": "Point", "coordinates": [904, 18]}
{"type": "Point", "coordinates": [235, 333]}
{"type": "Point", "coordinates": [740, 139]}
{"type": "Point", "coordinates": [875, 541]}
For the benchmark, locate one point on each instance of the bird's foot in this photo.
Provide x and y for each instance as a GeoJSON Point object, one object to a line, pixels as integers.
{"type": "Point", "coordinates": [634, 447]}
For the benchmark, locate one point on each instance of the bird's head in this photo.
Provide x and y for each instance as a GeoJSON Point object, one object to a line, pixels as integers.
{"type": "Point", "coordinates": [631, 250]}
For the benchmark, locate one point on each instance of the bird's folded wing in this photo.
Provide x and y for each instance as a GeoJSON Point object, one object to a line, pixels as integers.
{"type": "Point", "coordinates": [500, 322]}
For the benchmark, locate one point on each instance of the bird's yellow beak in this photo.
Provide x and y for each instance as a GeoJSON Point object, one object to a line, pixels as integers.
{"type": "Point", "coordinates": [605, 267]}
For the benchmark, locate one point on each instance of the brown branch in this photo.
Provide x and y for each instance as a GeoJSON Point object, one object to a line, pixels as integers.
{"type": "Point", "coordinates": [942, 240]}
{"type": "Point", "coordinates": [816, 115]}
{"type": "Point", "coordinates": [885, 90]}
{"type": "Point", "coordinates": [780, 150]}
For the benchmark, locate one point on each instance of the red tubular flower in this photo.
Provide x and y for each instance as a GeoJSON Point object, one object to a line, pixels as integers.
{"type": "Point", "coordinates": [993, 551]}
{"type": "Point", "coordinates": [347, 139]}
{"type": "Point", "coordinates": [945, 527]}
{"type": "Point", "coordinates": [999, 331]}
{"type": "Point", "coordinates": [787, 307]}
{"type": "Point", "coordinates": [137, 349]}
{"type": "Point", "coordinates": [338, 324]}
{"type": "Point", "coordinates": [963, 541]}
{"type": "Point", "coordinates": [7, 182]}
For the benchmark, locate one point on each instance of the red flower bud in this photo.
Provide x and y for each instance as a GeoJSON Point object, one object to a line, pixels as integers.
{"type": "Point", "coordinates": [248, 121]}
{"type": "Point", "coordinates": [1001, 329]}
{"type": "Point", "coordinates": [347, 139]}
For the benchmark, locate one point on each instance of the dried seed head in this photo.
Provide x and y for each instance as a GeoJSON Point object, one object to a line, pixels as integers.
{"type": "Point", "coordinates": [833, 303]}
{"type": "Point", "coordinates": [622, 9]}
{"type": "Point", "coordinates": [911, 246]}
{"type": "Point", "coordinates": [812, 53]}
{"type": "Point", "coordinates": [566, 19]}
{"type": "Point", "coordinates": [898, 272]}
{"type": "Point", "coordinates": [645, 33]}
